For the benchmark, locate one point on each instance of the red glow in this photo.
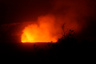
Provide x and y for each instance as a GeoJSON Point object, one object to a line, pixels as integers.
{"type": "Point", "coordinates": [40, 33]}
{"type": "Point", "coordinates": [47, 30]}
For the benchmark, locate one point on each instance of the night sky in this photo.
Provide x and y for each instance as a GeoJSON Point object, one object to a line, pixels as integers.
{"type": "Point", "coordinates": [17, 11]}
{"type": "Point", "coordinates": [23, 10]}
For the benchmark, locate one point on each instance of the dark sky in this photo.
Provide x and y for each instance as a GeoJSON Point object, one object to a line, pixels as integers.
{"type": "Point", "coordinates": [18, 10]}
{"type": "Point", "coordinates": [14, 11]}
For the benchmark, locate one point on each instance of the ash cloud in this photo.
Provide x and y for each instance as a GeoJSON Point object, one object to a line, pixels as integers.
{"type": "Point", "coordinates": [78, 15]}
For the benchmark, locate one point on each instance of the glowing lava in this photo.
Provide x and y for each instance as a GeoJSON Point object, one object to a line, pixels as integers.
{"type": "Point", "coordinates": [42, 32]}
{"type": "Point", "coordinates": [46, 29]}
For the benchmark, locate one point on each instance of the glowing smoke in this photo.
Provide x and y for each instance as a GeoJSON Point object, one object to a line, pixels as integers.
{"type": "Point", "coordinates": [45, 31]}
{"type": "Point", "coordinates": [71, 14]}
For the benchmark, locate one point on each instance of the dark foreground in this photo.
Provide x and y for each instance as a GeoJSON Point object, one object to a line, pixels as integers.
{"type": "Point", "coordinates": [67, 49]}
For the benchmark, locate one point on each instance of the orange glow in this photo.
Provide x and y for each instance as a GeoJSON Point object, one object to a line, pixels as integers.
{"type": "Point", "coordinates": [40, 33]}
{"type": "Point", "coordinates": [48, 29]}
